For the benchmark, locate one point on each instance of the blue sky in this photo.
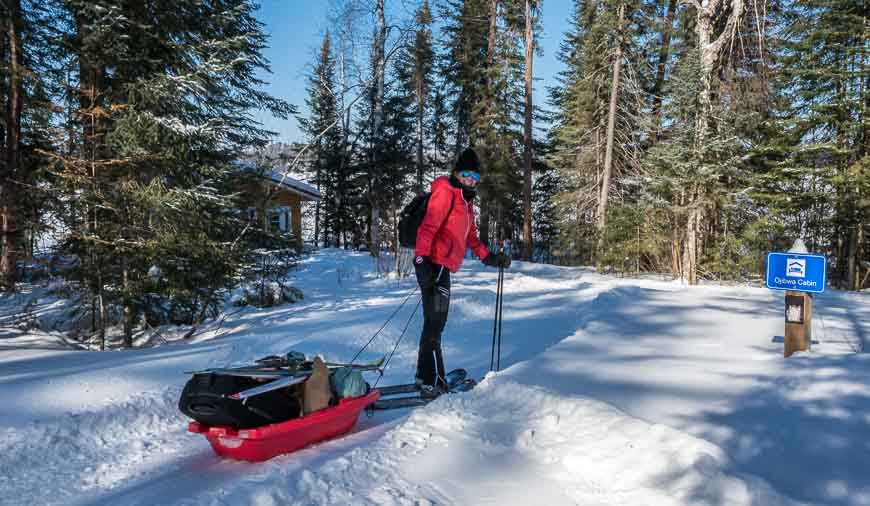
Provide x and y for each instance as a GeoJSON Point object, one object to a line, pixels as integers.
{"type": "Point", "coordinates": [296, 27]}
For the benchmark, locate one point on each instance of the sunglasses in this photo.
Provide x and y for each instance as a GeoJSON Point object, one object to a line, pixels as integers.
{"type": "Point", "coordinates": [475, 176]}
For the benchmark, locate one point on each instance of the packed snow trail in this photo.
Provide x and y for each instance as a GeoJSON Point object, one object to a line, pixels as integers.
{"type": "Point", "coordinates": [504, 443]}
{"type": "Point", "coordinates": [615, 391]}
{"type": "Point", "coordinates": [708, 361]}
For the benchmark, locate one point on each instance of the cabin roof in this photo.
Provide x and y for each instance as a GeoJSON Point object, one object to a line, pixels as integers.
{"type": "Point", "coordinates": [291, 184]}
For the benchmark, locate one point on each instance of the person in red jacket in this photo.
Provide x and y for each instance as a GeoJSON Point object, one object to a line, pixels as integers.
{"type": "Point", "coordinates": [442, 238]}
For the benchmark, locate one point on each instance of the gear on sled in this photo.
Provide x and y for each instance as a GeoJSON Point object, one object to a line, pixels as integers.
{"type": "Point", "coordinates": [277, 389]}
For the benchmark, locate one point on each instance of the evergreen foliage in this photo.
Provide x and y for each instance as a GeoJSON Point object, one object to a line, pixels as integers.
{"type": "Point", "coordinates": [323, 131]}
{"type": "Point", "coordinates": [736, 130]}
{"type": "Point", "coordinates": [157, 109]}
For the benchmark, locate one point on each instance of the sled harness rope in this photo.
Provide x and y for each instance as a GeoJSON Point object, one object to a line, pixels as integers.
{"type": "Point", "coordinates": [399, 340]}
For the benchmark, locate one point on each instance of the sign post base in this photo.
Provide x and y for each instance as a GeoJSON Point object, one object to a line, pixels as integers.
{"type": "Point", "coordinates": [798, 322]}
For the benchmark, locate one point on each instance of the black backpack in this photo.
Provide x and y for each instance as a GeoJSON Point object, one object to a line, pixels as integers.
{"type": "Point", "coordinates": [205, 400]}
{"type": "Point", "coordinates": [412, 216]}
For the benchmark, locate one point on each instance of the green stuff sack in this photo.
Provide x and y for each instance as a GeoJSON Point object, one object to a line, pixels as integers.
{"type": "Point", "coordinates": [347, 382]}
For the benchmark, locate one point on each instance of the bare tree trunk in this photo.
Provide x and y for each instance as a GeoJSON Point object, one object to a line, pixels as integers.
{"type": "Point", "coordinates": [102, 309]}
{"type": "Point", "coordinates": [421, 66]}
{"type": "Point", "coordinates": [664, 51]}
{"type": "Point", "coordinates": [859, 254]}
{"type": "Point", "coordinates": [377, 121]}
{"type": "Point", "coordinates": [490, 39]}
{"type": "Point", "coordinates": [3, 79]}
{"type": "Point", "coordinates": [841, 275]}
{"type": "Point", "coordinates": [527, 136]}
{"type": "Point", "coordinates": [421, 104]}
{"type": "Point", "coordinates": [690, 247]}
{"type": "Point", "coordinates": [7, 262]}
{"type": "Point", "coordinates": [499, 226]}
{"type": "Point", "coordinates": [341, 226]}
{"type": "Point", "coordinates": [317, 213]}
{"type": "Point", "coordinates": [486, 203]}
{"type": "Point", "coordinates": [8, 225]}
{"type": "Point", "coordinates": [128, 307]}
{"type": "Point", "coordinates": [484, 226]}
{"type": "Point", "coordinates": [852, 274]}
{"type": "Point", "coordinates": [676, 268]}
{"type": "Point", "coordinates": [396, 247]}
{"type": "Point", "coordinates": [608, 147]}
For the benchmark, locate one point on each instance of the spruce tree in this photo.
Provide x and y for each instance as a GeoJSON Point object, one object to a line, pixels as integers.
{"type": "Point", "coordinates": [577, 134]}
{"type": "Point", "coordinates": [823, 77]}
{"type": "Point", "coordinates": [324, 135]}
{"type": "Point", "coordinates": [464, 33]}
{"type": "Point", "coordinates": [165, 98]}
{"type": "Point", "coordinates": [29, 75]}
{"type": "Point", "coordinates": [423, 56]}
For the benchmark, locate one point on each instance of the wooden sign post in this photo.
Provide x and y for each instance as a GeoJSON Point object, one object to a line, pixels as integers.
{"type": "Point", "coordinates": [798, 322]}
{"type": "Point", "coordinates": [799, 274]}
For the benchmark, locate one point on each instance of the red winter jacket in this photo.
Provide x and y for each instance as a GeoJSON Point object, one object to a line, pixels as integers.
{"type": "Point", "coordinates": [444, 238]}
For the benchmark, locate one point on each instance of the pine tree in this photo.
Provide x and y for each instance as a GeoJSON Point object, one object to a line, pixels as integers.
{"type": "Point", "coordinates": [547, 185]}
{"type": "Point", "coordinates": [578, 131]}
{"type": "Point", "coordinates": [528, 134]}
{"type": "Point", "coordinates": [603, 119]}
{"type": "Point", "coordinates": [439, 128]}
{"type": "Point", "coordinates": [165, 96]}
{"type": "Point", "coordinates": [823, 77]}
{"type": "Point", "coordinates": [323, 129]}
{"type": "Point", "coordinates": [423, 63]}
{"type": "Point", "coordinates": [607, 168]}
{"type": "Point", "coordinates": [497, 125]}
{"type": "Point", "coordinates": [11, 50]}
{"type": "Point", "coordinates": [684, 182]}
{"type": "Point", "coordinates": [28, 76]}
{"type": "Point", "coordinates": [376, 121]}
{"type": "Point", "coordinates": [465, 35]}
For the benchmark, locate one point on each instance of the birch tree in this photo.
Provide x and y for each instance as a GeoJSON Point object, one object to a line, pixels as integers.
{"type": "Point", "coordinates": [710, 47]}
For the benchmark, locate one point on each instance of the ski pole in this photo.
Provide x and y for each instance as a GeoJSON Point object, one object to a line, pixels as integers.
{"type": "Point", "coordinates": [500, 313]}
{"type": "Point", "coordinates": [495, 322]}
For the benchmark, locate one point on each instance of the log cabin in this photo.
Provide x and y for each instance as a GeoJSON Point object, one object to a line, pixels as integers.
{"type": "Point", "coordinates": [274, 200]}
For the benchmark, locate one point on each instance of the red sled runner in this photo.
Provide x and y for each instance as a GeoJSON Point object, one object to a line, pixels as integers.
{"type": "Point", "coordinates": [263, 443]}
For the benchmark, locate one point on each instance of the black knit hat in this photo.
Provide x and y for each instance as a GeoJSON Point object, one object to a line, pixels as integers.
{"type": "Point", "coordinates": [468, 161]}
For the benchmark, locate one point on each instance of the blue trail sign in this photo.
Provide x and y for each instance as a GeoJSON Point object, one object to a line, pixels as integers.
{"type": "Point", "coordinates": [800, 272]}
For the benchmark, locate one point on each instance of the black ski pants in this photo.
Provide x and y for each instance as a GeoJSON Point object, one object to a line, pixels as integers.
{"type": "Point", "coordinates": [434, 281]}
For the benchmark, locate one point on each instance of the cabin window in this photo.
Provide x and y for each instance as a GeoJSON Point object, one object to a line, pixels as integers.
{"type": "Point", "coordinates": [279, 219]}
{"type": "Point", "coordinates": [288, 221]}
{"type": "Point", "coordinates": [274, 220]}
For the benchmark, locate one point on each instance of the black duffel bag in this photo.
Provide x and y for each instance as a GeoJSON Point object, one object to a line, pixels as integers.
{"type": "Point", "coordinates": [203, 399]}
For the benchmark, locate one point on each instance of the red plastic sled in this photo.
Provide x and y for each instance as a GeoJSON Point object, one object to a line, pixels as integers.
{"type": "Point", "coordinates": [263, 443]}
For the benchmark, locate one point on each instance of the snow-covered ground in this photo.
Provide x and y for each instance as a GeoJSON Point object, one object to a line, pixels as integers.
{"type": "Point", "coordinates": [613, 392]}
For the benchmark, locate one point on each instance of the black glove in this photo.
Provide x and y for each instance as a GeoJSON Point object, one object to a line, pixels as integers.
{"type": "Point", "coordinates": [497, 260]}
{"type": "Point", "coordinates": [424, 271]}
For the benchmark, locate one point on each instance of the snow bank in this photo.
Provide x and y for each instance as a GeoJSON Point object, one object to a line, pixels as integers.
{"type": "Point", "coordinates": [89, 450]}
{"type": "Point", "coordinates": [509, 444]}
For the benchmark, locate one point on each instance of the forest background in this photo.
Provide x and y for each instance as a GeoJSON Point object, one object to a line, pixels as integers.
{"type": "Point", "coordinates": [679, 137]}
